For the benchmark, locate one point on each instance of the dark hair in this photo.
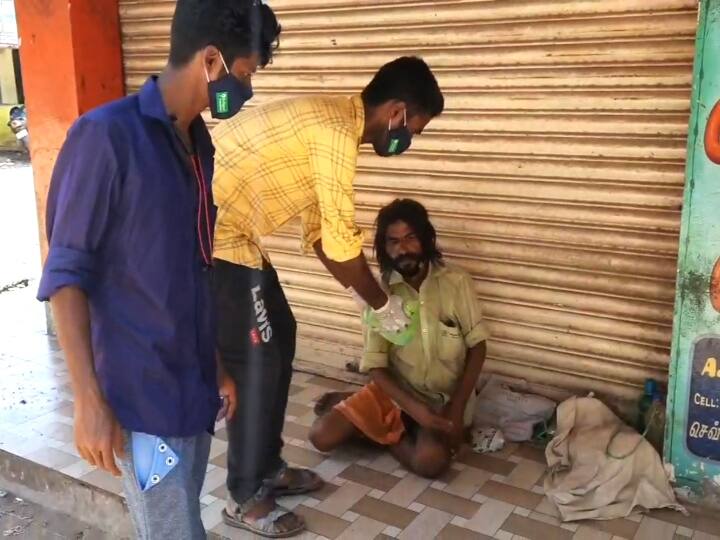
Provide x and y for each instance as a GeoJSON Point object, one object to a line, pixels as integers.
{"type": "Point", "coordinates": [416, 216]}
{"type": "Point", "coordinates": [407, 79]}
{"type": "Point", "coordinates": [237, 28]}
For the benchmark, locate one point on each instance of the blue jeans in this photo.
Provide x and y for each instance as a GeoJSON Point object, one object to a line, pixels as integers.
{"type": "Point", "coordinates": [170, 509]}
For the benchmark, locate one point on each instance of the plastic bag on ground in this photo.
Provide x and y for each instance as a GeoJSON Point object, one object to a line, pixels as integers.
{"type": "Point", "coordinates": [514, 413]}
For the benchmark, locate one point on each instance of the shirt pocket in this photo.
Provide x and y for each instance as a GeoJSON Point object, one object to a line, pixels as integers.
{"type": "Point", "coordinates": [451, 348]}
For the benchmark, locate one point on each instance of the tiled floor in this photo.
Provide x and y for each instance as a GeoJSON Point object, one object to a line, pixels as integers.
{"type": "Point", "coordinates": [368, 494]}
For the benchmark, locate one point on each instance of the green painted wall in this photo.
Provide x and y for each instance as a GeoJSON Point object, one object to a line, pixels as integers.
{"type": "Point", "coordinates": [694, 397]}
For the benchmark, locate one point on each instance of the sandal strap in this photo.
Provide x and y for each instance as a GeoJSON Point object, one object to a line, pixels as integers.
{"type": "Point", "coordinates": [305, 476]}
{"type": "Point", "coordinates": [262, 494]}
{"type": "Point", "coordinates": [269, 523]}
{"type": "Point", "coordinates": [302, 477]}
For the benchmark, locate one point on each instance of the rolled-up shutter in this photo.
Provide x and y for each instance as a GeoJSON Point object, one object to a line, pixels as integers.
{"type": "Point", "coordinates": [554, 175]}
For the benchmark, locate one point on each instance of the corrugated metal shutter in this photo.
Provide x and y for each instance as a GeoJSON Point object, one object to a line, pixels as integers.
{"type": "Point", "coordinates": [555, 175]}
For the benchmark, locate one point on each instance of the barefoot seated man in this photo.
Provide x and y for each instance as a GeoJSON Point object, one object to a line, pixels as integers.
{"type": "Point", "coordinates": [420, 397]}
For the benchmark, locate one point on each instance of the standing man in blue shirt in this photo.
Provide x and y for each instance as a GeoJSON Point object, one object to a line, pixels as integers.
{"type": "Point", "coordinates": [130, 221]}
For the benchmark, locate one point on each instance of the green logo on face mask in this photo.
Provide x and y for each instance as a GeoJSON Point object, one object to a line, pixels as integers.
{"type": "Point", "coordinates": [393, 145]}
{"type": "Point", "coordinates": [222, 102]}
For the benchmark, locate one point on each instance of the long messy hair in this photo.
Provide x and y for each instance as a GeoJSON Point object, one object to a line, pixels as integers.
{"type": "Point", "coordinates": [416, 216]}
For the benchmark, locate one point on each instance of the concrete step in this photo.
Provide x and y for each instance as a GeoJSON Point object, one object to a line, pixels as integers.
{"type": "Point", "coordinates": [67, 496]}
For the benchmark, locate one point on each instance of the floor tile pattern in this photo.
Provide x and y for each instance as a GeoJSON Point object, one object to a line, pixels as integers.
{"type": "Point", "coordinates": [368, 494]}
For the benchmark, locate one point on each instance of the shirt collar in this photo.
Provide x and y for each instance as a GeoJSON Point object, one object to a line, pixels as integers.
{"type": "Point", "coordinates": [151, 102]}
{"type": "Point", "coordinates": [153, 106]}
{"type": "Point", "coordinates": [359, 116]}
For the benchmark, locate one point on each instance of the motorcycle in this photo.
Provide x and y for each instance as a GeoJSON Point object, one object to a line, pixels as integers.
{"type": "Point", "coordinates": [18, 125]}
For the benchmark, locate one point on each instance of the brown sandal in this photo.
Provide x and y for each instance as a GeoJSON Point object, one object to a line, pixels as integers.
{"type": "Point", "coordinates": [267, 526]}
{"type": "Point", "coordinates": [301, 481]}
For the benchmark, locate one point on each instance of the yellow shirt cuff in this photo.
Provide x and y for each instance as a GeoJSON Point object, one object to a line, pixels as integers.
{"type": "Point", "coordinates": [309, 240]}
{"type": "Point", "coordinates": [345, 253]}
{"type": "Point", "coordinates": [373, 361]}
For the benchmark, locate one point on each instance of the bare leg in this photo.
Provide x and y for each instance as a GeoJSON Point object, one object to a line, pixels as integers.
{"type": "Point", "coordinates": [428, 456]}
{"type": "Point", "coordinates": [331, 430]}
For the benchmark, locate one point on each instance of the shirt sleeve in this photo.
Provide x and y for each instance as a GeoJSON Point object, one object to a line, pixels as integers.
{"type": "Point", "coordinates": [333, 158]}
{"type": "Point", "coordinates": [83, 189]}
{"type": "Point", "coordinates": [469, 313]}
{"type": "Point", "coordinates": [375, 352]}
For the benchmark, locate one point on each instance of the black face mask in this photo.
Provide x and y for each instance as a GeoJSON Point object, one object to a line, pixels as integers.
{"type": "Point", "coordinates": [227, 95]}
{"type": "Point", "coordinates": [396, 142]}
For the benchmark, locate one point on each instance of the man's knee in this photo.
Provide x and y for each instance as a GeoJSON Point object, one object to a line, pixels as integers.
{"type": "Point", "coordinates": [431, 461]}
{"type": "Point", "coordinates": [323, 434]}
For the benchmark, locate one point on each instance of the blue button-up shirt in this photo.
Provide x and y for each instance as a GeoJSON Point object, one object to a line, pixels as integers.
{"type": "Point", "coordinates": [123, 224]}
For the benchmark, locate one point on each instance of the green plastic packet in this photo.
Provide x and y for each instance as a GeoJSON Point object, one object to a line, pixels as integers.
{"type": "Point", "coordinates": [402, 338]}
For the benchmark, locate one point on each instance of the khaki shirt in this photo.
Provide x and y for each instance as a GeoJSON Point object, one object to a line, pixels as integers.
{"type": "Point", "coordinates": [451, 322]}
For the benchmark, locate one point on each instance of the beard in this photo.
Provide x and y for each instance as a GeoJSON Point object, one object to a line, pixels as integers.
{"type": "Point", "coordinates": [408, 266]}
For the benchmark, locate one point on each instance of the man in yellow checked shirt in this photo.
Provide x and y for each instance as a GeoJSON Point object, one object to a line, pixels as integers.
{"type": "Point", "coordinates": [295, 157]}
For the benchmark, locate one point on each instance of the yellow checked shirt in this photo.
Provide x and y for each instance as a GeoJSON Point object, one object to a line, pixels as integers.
{"type": "Point", "coordinates": [450, 323]}
{"type": "Point", "coordinates": [283, 159]}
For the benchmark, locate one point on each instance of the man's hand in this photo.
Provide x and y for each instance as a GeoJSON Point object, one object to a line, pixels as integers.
{"type": "Point", "coordinates": [98, 435]}
{"type": "Point", "coordinates": [428, 419]}
{"type": "Point", "coordinates": [228, 394]}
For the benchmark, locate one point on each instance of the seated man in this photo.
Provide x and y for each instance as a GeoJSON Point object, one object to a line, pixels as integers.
{"type": "Point", "coordinates": [420, 397]}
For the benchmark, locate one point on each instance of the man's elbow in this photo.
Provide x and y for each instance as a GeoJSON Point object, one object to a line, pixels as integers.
{"type": "Point", "coordinates": [70, 293]}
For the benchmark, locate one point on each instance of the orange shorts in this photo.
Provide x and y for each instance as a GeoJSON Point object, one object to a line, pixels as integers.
{"type": "Point", "coordinates": [373, 412]}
